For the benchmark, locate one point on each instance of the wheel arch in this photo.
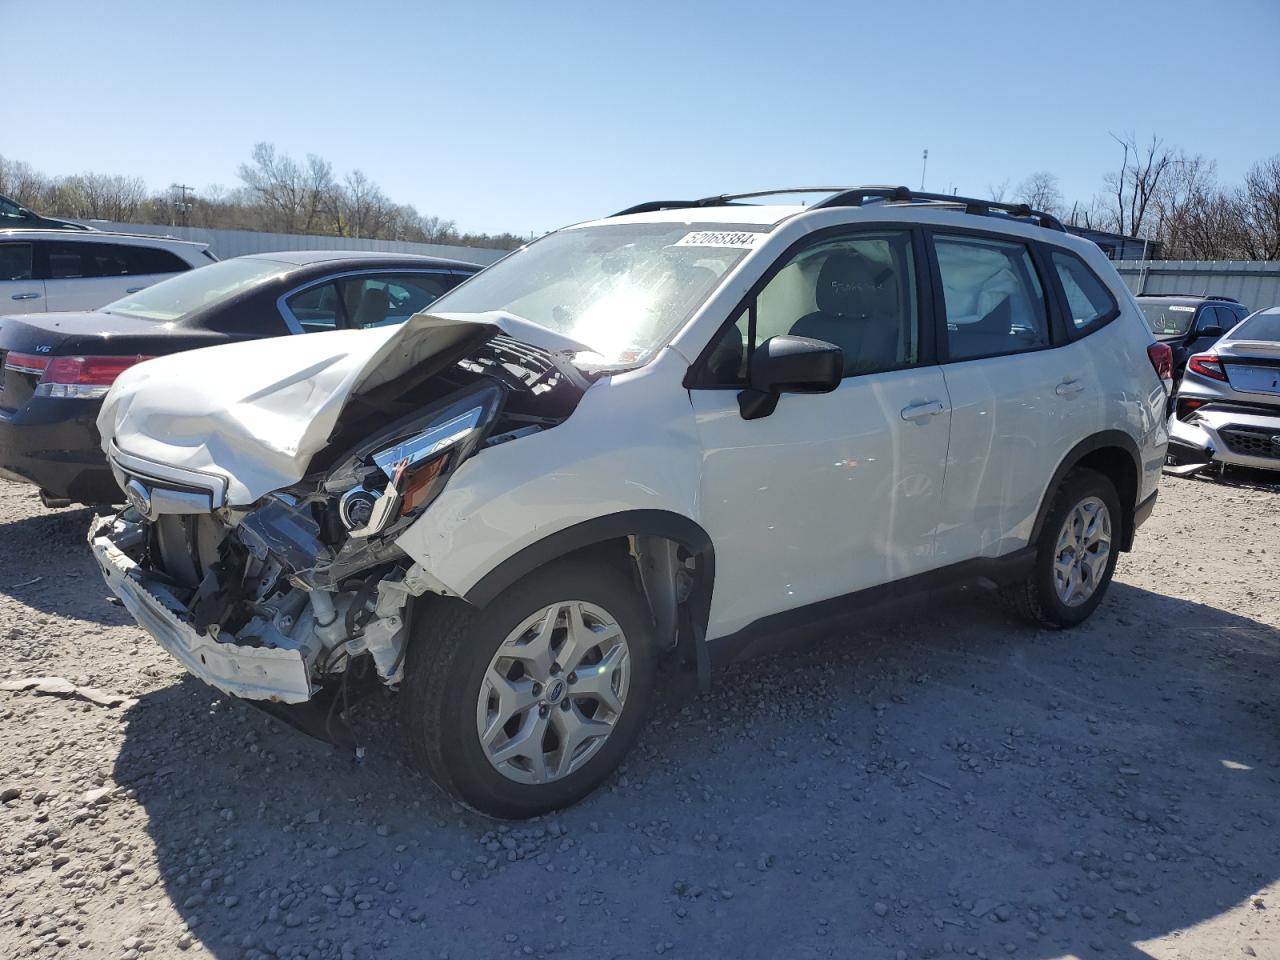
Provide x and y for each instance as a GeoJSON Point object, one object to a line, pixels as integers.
{"type": "Point", "coordinates": [1115, 455]}
{"type": "Point", "coordinates": [628, 527]}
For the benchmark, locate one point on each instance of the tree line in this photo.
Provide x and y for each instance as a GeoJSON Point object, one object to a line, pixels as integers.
{"type": "Point", "coordinates": [1156, 192]}
{"type": "Point", "coordinates": [1164, 194]}
{"type": "Point", "coordinates": [275, 194]}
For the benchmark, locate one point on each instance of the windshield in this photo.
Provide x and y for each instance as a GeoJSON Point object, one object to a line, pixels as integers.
{"type": "Point", "coordinates": [1168, 319]}
{"type": "Point", "coordinates": [1263, 325]}
{"type": "Point", "coordinates": [621, 289]}
{"type": "Point", "coordinates": [176, 297]}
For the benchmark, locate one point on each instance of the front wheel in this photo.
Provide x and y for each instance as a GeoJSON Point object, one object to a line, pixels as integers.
{"type": "Point", "coordinates": [1076, 553]}
{"type": "Point", "coordinates": [527, 705]}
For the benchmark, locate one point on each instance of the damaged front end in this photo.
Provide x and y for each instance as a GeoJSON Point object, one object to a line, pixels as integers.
{"type": "Point", "coordinates": [277, 599]}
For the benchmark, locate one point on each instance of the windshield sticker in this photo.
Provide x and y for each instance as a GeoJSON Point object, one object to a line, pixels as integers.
{"type": "Point", "coordinates": [1182, 309]}
{"type": "Point", "coordinates": [741, 240]}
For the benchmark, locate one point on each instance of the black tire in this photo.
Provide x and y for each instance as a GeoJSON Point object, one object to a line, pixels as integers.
{"type": "Point", "coordinates": [1036, 598]}
{"type": "Point", "coordinates": [448, 657]}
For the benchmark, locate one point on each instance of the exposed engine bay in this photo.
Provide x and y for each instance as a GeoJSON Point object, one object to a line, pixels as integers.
{"type": "Point", "coordinates": [309, 577]}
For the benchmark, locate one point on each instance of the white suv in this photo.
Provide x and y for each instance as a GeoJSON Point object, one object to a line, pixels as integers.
{"type": "Point", "coordinates": [688, 427]}
{"type": "Point", "coordinates": [43, 271]}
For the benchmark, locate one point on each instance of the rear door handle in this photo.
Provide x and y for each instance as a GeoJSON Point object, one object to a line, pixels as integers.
{"type": "Point", "coordinates": [1068, 388]}
{"type": "Point", "coordinates": [919, 411]}
{"type": "Point", "coordinates": [24, 296]}
{"type": "Point", "coordinates": [133, 289]}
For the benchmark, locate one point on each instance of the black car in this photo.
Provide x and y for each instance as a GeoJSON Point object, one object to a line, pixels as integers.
{"type": "Point", "coordinates": [14, 214]}
{"type": "Point", "coordinates": [57, 367]}
{"type": "Point", "coordinates": [1189, 324]}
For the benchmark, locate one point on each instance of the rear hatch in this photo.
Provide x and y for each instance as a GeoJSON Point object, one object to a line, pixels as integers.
{"type": "Point", "coordinates": [29, 342]}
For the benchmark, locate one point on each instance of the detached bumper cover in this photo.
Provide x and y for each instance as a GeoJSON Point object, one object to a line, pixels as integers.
{"type": "Point", "coordinates": [254, 673]}
{"type": "Point", "coordinates": [1242, 439]}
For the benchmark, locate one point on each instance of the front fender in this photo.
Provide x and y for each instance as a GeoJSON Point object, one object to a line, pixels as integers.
{"type": "Point", "coordinates": [628, 447]}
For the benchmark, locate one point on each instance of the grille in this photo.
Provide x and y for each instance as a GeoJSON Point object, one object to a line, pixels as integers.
{"type": "Point", "coordinates": [1251, 443]}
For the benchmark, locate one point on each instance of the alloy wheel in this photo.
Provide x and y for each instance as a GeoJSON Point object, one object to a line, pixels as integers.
{"type": "Point", "coordinates": [553, 692]}
{"type": "Point", "coordinates": [1082, 553]}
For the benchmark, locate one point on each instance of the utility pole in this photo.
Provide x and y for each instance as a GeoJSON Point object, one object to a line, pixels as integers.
{"type": "Point", "coordinates": [923, 167]}
{"type": "Point", "coordinates": [180, 204]}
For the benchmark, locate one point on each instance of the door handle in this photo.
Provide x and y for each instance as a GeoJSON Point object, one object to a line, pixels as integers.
{"type": "Point", "coordinates": [918, 411]}
{"type": "Point", "coordinates": [24, 296]}
{"type": "Point", "coordinates": [133, 289]}
{"type": "Point", "coordinates": [1068, 388]}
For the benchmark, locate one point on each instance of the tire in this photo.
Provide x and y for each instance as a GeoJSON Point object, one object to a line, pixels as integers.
{"type": "Point", "coordinates": [449, 662]}
{"type": "Point", "coordinates": [1039, 598]}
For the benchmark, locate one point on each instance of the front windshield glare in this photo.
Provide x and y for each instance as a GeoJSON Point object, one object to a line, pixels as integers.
{"type": "Point", "coordinates": [176, 297]}
{"type": "Point", "coordinates": [620, 289]}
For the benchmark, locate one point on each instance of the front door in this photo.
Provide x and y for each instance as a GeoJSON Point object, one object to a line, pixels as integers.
{"type": "Point", "coordinates": [831, 493]}
{"type": "Point", "coordinates": [19, 291]}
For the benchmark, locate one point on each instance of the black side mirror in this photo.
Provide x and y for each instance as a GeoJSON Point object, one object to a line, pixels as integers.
{"type": "Point", "coordinates": [788, 364]}
{"type": "Point", "coordinates": [1211, 331]}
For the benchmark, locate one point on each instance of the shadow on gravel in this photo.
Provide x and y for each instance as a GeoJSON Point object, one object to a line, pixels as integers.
{"type": "Point", "coordinates": [45, 563]}
{"type": "Point", "coordinates": [959, 782]}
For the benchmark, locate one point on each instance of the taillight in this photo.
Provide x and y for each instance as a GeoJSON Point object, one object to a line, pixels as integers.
{"type": "Point", "coordinates": [1207, 365]}
{"type": "Point", "coordinates": [1161, 357]}
{"type": "Point", "coordinates": [1188, 406]}
{"type": "Point", "coordinates": [81, 377]}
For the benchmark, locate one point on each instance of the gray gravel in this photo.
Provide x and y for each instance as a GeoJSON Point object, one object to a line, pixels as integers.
{"type": "Point", "coordinates": [957, 784]}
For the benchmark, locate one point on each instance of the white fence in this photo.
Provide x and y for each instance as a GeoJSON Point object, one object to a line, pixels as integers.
{"type": "Point", "coordinates": [237, 243]}
{"type": "Point", "coordinates": [1255, 283]}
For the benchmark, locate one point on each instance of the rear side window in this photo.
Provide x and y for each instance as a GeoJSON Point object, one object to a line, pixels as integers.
{"type": "Point", "coordinates": [1089, 302]}
{"type": "Point", "coordinates": [142, 260]}
{"type": "Point", "coordinates": [994, 299]}
{"type": "Point", "coordinates": [15, 261]}
{"type": "Point", "coordinates": [67, 261]}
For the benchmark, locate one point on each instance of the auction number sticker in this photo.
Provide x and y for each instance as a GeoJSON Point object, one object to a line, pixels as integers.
{"type": "Point", "coordinates": [741, 239]}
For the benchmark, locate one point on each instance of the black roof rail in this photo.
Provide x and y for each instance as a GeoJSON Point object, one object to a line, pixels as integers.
{"type": "Point", "coordinates": [722, 200]}
{"type": "Point", "coordinates": [858, 196]}
{"type": "Point", "coordinates": [1194, 296]}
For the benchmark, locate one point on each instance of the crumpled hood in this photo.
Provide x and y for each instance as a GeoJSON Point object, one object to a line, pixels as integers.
{"type": "Point", "coordinates": [257, 412]}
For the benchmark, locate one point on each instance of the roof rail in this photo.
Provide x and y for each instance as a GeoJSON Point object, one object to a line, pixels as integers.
{"type": "Point", "coordinates": [1195, 296]}
{"type": "Point", "coordinates": [858, 196]}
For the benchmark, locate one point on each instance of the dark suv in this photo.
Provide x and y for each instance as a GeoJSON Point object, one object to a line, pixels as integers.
{"type": "Point", "coordinates": [14, 214]}
{"type": "Point", "coordinates": [1189, 323]}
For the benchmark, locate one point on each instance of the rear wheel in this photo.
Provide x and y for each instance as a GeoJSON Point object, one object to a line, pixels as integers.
{"type": "Point", "coordinates": [1076, 553]}
{"type": "Point", "coordinates": [528, 705]}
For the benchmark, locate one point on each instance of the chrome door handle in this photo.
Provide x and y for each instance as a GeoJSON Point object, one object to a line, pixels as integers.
{"type": "Point", "coordinates": [24, 296]}
{"type": "Point", "coordinates": [1068, 388]}
{"type": "Point", "coordinates": [133, 289]}
{"type": "Point", "coordinates": [918, 411]}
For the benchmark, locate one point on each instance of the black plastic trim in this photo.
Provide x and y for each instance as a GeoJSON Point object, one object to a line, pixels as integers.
{"type": "Point", "coordinates": [779, 630]}
{"type": "Point", "coordinates": [1098, 441]}
{"type": "Point", "coordinates": [656, 523]}
{"type": "Point", "coordinates": [1142, 513]}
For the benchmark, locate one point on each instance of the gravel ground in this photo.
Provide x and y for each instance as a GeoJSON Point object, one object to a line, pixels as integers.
{"type": "Point", "coordinates": [960, 783]}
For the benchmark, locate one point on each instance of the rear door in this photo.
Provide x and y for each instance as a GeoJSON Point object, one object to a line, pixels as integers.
{"type": "Point", "coordinates": [1016, 401]}
{"type": "Point", "coordinates": [20, 291]}
{"type": "Point", "coordinates": [831, 493]}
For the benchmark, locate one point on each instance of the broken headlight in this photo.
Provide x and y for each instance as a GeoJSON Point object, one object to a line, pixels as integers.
{"type": "Point", "coordinates": [404, 468]}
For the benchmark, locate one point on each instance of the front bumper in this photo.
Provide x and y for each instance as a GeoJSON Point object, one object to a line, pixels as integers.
{"type": "Point", "coordinates": [253, 672]}
{"type": "Point", "coordinates": [1241, 439]}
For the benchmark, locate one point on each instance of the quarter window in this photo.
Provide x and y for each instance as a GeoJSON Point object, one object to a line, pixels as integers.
{"type": "Point", "coordinates": [1089, 301]}
{"type": "Point", "coordinates": [368, 301]}
{"type": "Point", "coordinates": [856, 292]}
{"type": "Point", "coordinates": [994, 299]}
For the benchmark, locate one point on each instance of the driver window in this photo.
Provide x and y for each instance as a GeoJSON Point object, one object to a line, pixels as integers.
{"type": "Point", "coordinates": [857, 292]}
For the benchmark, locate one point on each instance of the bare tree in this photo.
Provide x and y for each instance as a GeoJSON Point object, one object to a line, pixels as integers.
{"type": "Point", "coordinates": [1135, 185]}
{"type": "Point", "coordinates": [1259, 201]}
{"type": "Point", "coordinates": [998, 191]}
{"type": "Point", "coordinates": [1040, 191]}
{"type": "Point", "coordinates": [100, 196]}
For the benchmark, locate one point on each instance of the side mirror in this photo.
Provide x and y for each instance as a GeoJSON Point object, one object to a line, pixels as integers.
{"type": "Point", "coordinates": [788, 364]}
{"type": "Point", "coordinates": [1211, 331]}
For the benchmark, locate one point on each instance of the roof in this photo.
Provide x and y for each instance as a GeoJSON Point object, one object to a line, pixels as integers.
{"type": "Point", "coordinates": [302, 258]}
{"type": "Point", "coordinates": [91, 236]}
{"type": "Point", "coordinates": [747, 214]}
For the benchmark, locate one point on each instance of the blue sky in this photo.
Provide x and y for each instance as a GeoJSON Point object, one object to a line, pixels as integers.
{"type": "Point", "coordinates": [527, 116]}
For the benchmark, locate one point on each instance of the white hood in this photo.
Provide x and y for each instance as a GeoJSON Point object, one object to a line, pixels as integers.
{"type": "Point", "coordinates": [257, 412]}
